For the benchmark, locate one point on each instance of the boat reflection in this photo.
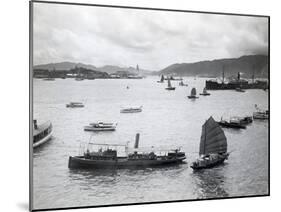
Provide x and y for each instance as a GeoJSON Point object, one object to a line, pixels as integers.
{"type": "Point", "coordinates": [210, 183]}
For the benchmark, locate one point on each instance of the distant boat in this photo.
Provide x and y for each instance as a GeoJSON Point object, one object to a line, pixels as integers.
{"type": "Point", "coordinates": [205, 93]}
{"type": "Point", "coordinates": [182, 84]}
{"type": "Point", "coordinates": [213, 146]}
{"type": "Point", "coordinates": [105, 156]}
{"type": "Point", "coordinates": [75, 104]}
{"type": "Point", "coordinates": [79, 78]}
{"type": "Point", "coordinates": [100, 126]}
{"type": "Point", "coordinates": [41, 133]}
{"type": "Point", "coordinates": [49, 79]}
{"type": "Point", "coordinates": [261, 114]}
{"type": "Point", "coordinates": [170, 88]}
{"type": "Point", "coordinates": [162, 79]}
{"type": "Point", "coordinates": [131, 110]}
{"type": "Point", "coordinates": [193, 94]}
{"type": "Point", "coordinates": [239, 89]}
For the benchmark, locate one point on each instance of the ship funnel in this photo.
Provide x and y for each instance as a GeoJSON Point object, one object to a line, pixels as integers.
{"type": "Point", "coordinates": [137, 141]}
{"type": "Point", "coordinates": [35, 124]}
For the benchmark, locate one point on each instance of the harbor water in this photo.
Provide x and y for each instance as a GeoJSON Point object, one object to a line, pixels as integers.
{"type": "Point", "coordinates": [168, 118]}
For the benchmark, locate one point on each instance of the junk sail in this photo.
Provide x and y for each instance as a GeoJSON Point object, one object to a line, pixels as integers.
{"type": "Point", "coordinates": [213, 139]}
{"type": "Point", "coordinates": [193, 92]}
{"type": "Point", "coordinates": [169, 83]}
{"type": "Point", "coordinates": [162, 78]}
{"type": "Point", "coordinates": [204, 91]}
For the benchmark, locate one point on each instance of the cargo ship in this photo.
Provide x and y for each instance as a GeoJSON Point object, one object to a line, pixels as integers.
{"type": "Point", "coordinates": [237, 83]}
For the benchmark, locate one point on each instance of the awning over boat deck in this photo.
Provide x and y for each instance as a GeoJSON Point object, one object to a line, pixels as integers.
{"type": "Point", "coordinates": [41, 128]}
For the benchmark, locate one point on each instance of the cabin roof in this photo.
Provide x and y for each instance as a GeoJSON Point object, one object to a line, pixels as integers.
{"type": "Point", "coordinates": [41, 128]}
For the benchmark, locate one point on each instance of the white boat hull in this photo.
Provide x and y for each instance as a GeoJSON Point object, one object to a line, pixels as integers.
{"type": "Point", "coordinates": [43, 140]}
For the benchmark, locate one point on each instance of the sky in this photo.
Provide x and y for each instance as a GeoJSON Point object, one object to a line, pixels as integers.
{"type": "Point", "coordinates": [152, 39]}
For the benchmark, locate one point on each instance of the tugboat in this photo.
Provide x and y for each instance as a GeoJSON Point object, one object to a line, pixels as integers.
{"type": "Point", "coordinates": [205, 93]}
{"type": "Point", "coordinates": [242, 120]}
{"type": "Point", "coordinates": [162, 79]}
{"type": "Point", "coordinates": [104, 156]}
{"type": "Point", "coordinates": [41, 133]}
{"type": "Point", "coordinates": [213, 146]}
{"type": "Point", "coordinates": [131, 110]}
{"type": "Point", "coordinates": [233, 123]}
{"type": "Point", "coordinates": [75, 104]}
{"type": "Point", "coordinates": [193, 94]}
{"type": "Point", "coordinates": [170, 88]}
{"type": "Point", "coordinates": [100, 126]}
{"type": "Point", "coordinates": [261, 114]}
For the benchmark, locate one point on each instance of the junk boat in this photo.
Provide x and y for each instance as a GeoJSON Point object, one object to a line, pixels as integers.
{"type": "Point", "coordinates": [162, 79]}
{"type": "Point", "coordinates": [131, 110]}
{"type": "Point", "coordinates": [41, 133]}
{"type": "Point", "coordinates": [75, 104]}
{"type": "Point", "coordinates": [182, 84]}
{"type": "Point", "coordinates": [170, 88]}
{"type": "Point", "coordinates": [233, 123]}
{"type": "Point", "coordinates": [100, 126]}
{"type": "Point", "coordinates": [205, 93]}
{"type": "Point", "coordinates": [213, 146]}
{"type": "Point", "coordinates": [103, 156]}
{"type": "Point", "coordinates": [193, 94]}
{"type": "Point", "coordinates": [261, 114]}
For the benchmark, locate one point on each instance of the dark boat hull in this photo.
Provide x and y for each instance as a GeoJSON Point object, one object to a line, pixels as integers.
{"type": "Point", "coordinates": [231, 125]}
{"type": "Point", "coordinates": [81, 162]}
{"type": "Point", "coordinates": [171, 88]}
{"type": "Point", "coordinates": [205, 94]}
{"type": "Point", "coordinates": [192, 97]}
{"type": "Point", "coordinates": [212, 85]}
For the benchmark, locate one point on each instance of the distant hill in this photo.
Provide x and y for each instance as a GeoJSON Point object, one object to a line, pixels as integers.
{"type": "Point", "coordinates": [64, 66]}
{"type": "Point", "coordinates": [108, 68]}
{"type": "Point", "coordinates": [245, 64]}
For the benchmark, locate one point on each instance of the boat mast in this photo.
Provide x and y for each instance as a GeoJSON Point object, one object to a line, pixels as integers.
{"type": "Point", "coordinates": [223, 74]}
{"type": "Point", "coordinates": [253, 76]}
{"type": "Point", "coordinates": [205, 138]}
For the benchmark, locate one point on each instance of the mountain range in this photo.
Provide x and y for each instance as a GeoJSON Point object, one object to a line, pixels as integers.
{"type": "Point", "coordinates": [66, 66]}
{"type": "Point", "coordinates": [246, 65]}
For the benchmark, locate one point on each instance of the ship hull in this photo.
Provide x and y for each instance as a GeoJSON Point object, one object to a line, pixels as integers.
{"type": "Point", "coordinates": [231, 125]}
{"type": "Point", "coordinates": [212, 85]}
{"type": "Point", "coordinates": [171, 88]}
{"type": "Point", "coordinates": [43, 140]}
{"type": "Point", "coordinates": [120, 163]}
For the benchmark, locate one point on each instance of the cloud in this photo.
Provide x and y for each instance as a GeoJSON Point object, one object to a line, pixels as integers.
{"type": "Point", "coordinates": [153, 39]}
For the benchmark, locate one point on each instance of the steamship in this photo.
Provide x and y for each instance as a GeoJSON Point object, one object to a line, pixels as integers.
{"type": "Point", "coordinates": [103, 156]}
{"type": "Point", "coordinates": [234, 84]}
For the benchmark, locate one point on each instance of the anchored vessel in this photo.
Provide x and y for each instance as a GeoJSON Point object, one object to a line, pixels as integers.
{"type": "Point", "coordinates": [75, 104]}
{"type": "Point", "coordinates": [131, 110]}
{"type": "Point", "coordinates": [181, 83]}
{"type": "Point", "coordinates": [213, 146]}
{"type": "Point", "coordinates": [106, 156]}
{"type": "Point", "coordinates": [232, 123]}
{"type": "Point", "coordinates": [170, 88]}
{"type": "Point", "coordinates": [234, 84]}
{"type": "Point", "coordinates": [41, 133]}
{"type": "Point", "coordinates": [205, 93]}
{"type": "Point", "coordinates": [100, 126]}
{"type": "Point", "coordinates": [260, 114]}
{"type": "Point", "coordinates": [193, 94]}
